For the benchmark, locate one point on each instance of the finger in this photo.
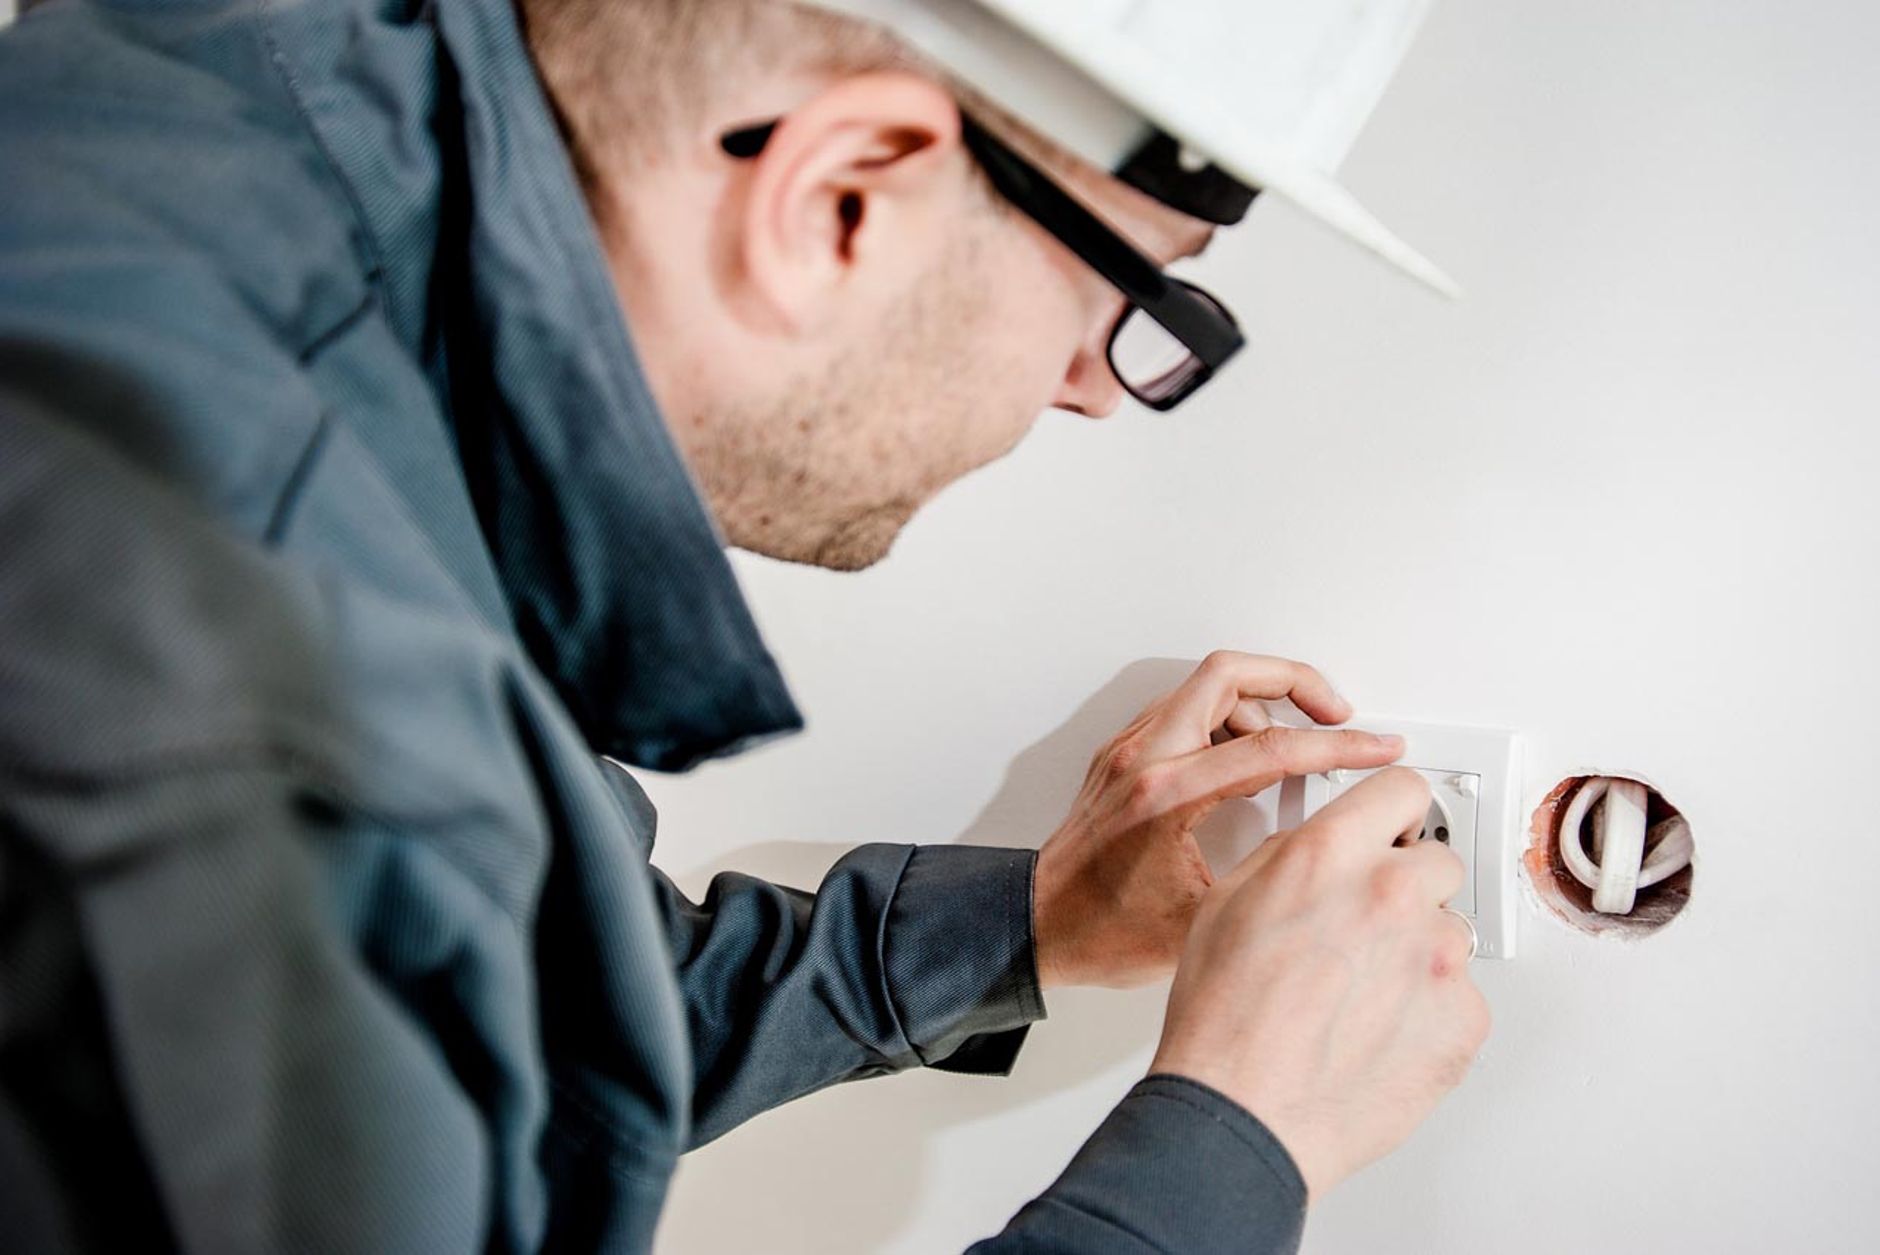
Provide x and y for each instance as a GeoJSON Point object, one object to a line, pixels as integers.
{"type": "Point", "coordinates": [1439, 872]}
{"type": "Point", "coordinates": [1374, 810]}
{"type": "Point", "coordinates": [1246, 765]}
{"type": "Point", "coordinates": [1450, 955]}
{"type": "Point", "coordinates": [1246, 718]}
{"type": "Point", "coordinates": [1226, 678]}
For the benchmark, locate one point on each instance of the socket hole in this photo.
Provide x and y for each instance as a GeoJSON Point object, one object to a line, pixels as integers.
{"type": "Point", "coordinates": [1572, 902]}
{"type": "Point", "coordinates": [1435, 822]}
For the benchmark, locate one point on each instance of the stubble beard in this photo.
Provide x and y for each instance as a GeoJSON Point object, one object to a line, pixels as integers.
{"type": "Point", "coordinates": [821, 475]}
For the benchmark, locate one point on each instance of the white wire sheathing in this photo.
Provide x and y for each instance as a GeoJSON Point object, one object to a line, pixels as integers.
{"type": "Point", "coordinates": [1619, 865]}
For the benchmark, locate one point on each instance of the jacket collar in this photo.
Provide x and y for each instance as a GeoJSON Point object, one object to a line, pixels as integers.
{"type": "Point", "coordinates": [614, 570]}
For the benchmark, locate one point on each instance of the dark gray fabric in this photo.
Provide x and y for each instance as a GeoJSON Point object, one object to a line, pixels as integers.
{"type": "Point", "coordinates": [339, 542]}
{"type": "Point", "coordinates": [1178, 1166]}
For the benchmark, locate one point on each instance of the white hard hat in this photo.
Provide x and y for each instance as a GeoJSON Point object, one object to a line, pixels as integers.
{"type": "Point", "coordinates": [1197, 102]}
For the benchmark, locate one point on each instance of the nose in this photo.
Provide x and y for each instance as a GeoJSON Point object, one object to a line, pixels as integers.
{"type": "Point", "coordinates": [1089, 386]}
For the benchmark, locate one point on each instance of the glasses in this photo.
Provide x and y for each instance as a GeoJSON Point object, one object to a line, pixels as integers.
{"type": "Point", "coordinates": [1171, 336]}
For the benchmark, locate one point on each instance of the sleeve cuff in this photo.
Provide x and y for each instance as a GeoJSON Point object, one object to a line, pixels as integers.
{"type": "Point", "coordinates": [1177, 1166]}
{"type": "Point", "coordinates": [959, 959]}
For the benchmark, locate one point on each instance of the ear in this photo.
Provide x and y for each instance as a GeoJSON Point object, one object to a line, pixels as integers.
{"type": "Point", "coordinates": [854, 184]}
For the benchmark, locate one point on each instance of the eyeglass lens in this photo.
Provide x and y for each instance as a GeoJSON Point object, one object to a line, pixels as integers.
{"type": "Point", "coordinates": [1157, 368]}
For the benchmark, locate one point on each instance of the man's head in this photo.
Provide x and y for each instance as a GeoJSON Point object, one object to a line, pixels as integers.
{"type": "Point", "coordinates": [840, 326]}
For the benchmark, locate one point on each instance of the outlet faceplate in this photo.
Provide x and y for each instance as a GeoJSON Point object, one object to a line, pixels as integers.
{"type": "Point", "coordinates": [1475, 793]}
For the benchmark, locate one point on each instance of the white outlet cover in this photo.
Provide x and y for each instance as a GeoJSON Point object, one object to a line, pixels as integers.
{"type": "Point", "coordinates": [1475, 791]}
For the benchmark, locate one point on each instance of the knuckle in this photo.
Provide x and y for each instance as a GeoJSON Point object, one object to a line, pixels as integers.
{"type": "Point", "coordinates": [1353, 742]}
{"type": "Point", "coordinates": [1394, 887]}
{"type": "Point", "coordinates": [1311, 860]}
{"type": "Point", "coordinates": [1120, 760]}
{"type": "Point", "coordinates": [1150, 791]}
{"type": "Point", "coordinates": [1276, 745]}
{"type": "Point", "coordinates": [1481, 1019]}
{"type": "Point", "coordinates": [1452, 952]}
{"type": "Point", "coordinates": [1323, 748]}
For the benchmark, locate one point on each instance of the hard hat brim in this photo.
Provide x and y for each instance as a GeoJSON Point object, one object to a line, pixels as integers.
{"type": "Point", "coordinates": [1160, 95]}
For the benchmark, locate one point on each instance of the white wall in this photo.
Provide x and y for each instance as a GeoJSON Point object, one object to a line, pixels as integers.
{"type": "Point", "coordinates": [1663, 380]}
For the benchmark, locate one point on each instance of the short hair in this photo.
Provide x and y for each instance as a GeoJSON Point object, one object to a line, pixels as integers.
{"type": "Point", "coordinates": [630, 78]}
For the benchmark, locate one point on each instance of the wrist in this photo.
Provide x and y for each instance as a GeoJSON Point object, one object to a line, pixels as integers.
{"type": "Point", "coordinates": [1046, 929]}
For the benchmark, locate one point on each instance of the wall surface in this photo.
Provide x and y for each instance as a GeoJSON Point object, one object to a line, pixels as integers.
{"type": "Point", "coordinates": [1660, 398]}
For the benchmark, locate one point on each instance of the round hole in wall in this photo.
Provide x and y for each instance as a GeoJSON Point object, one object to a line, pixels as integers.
{"type": "Point", "coordinates": [1589, 803]}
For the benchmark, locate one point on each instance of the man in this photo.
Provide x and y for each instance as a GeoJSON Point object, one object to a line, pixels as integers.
{"type": "Point", "coordinates": [348, 536]}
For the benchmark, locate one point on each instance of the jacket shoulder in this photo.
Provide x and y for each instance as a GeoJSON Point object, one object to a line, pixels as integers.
{"type": "Point", "coordinates": [172, 242]}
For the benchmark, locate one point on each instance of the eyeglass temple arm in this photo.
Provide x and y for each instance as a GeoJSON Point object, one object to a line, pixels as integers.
{"type": "Point", "coordinates": [1194, 322]}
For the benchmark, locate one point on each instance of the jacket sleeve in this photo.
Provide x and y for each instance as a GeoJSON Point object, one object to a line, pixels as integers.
{"type": "Point", "coordinates": [904, 956]}
{"type": "Point", "coordinates": [1177, 1167]}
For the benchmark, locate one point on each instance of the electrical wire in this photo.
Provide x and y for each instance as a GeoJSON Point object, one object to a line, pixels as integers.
{"type": "Point", "coordinates": [1625, 857]}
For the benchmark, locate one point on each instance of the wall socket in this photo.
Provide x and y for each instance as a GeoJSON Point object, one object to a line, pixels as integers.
{"type": "Point", "coordinates": [1475, 799]}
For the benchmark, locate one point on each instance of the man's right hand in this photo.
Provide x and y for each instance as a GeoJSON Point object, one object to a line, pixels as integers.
{"type": "Point", "coordinates": [1323, 989]}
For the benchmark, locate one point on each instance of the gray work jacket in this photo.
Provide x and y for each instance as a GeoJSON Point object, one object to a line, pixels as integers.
{"type": "Point", "coordinates": [341, 547]}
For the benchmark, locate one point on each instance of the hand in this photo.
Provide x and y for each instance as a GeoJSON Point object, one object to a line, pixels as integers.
{"type": "Point", "coordinates": [1324, 990]}
{"type": "Point", "coordinates": [1117, 885]}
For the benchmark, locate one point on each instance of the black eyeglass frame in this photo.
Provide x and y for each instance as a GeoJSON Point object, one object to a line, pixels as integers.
{"type": "Point", "coordinates": [1196, 319]}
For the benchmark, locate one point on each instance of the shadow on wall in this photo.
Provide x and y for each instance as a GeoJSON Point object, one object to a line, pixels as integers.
{"type": "Point", "coordinates": [841, 1170]}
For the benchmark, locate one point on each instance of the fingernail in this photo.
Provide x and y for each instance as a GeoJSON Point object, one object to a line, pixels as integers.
{"type": "Point", "coordinates": [1390, 743]}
